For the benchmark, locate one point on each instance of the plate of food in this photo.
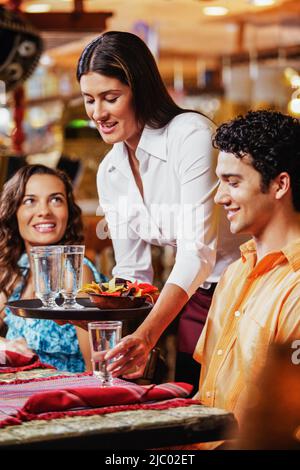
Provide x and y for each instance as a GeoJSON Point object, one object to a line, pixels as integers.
{"type": "Point", "coordinates": [120, 293]}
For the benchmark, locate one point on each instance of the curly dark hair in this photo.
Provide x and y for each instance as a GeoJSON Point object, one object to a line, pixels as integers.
{"type": "Point", "coordinates": [11, 243]}
{"type": "Point", "coordinates": [271, 139]}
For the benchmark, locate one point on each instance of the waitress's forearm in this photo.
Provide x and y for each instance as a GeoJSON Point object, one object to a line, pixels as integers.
{"type": "Point", "coordinates": [170, 302]}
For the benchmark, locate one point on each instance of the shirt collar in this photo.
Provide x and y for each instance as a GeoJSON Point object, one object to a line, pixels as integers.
{"type": "Point", "coordinates": [292, 253]}
{"type": "Point", "coordinates": [152, 141]}
{"type": "Point", "coordinates": [247, 249]}
{"type": "Point", "coordinates": [289, 253]}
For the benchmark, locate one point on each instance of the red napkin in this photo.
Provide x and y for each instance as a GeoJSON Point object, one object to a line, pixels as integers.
{"type": "Point", "coordinates": [94, 397]}
{"type": "Point", "coordinates": [11, 361]}
{"type": "Point", "coordinates": [81, 395]}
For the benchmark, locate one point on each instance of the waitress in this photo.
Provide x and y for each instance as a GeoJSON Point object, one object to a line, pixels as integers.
{"type": "Point", "coordinates": [156, 187]}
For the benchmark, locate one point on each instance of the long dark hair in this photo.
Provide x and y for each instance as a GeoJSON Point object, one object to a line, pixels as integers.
{"type": "Point", "coordinates": [11, 243]}
{"type": "Point", "coordinates": [126, 57]}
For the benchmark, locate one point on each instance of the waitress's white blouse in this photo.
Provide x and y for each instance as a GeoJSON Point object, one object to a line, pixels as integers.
{"type": "Point", "coordinates": [177, 167]}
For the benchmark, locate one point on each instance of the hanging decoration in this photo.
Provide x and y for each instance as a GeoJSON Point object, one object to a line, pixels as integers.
{"type": "Point", "coordinates": [21, 48]}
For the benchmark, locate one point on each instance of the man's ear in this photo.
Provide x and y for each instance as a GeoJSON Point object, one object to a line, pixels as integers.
{"type": "Point", "coordinates": [281, 184]}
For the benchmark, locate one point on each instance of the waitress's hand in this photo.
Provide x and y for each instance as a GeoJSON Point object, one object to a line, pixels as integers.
{"type": "Point", "coordinates": [131, 353]}
{"type": "Point", "coordinates": [130, 357]}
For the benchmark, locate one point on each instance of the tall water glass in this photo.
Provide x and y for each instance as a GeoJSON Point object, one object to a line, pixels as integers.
{"type": "Point", "coordinates": [46, 261]}
{"type": "Point", "coordinates": [71, 279]}
{"type": "Point", "coordinates": [103, 335]}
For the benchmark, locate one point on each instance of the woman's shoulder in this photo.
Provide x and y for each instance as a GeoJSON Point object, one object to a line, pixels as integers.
{"type": "Point", "coordinates": [188, 121]}
{"type": "Point", "coordinates": [189, 138]}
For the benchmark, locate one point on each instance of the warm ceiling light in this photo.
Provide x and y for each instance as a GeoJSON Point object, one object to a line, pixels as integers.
{"type": "Point", "coordinates": [38, 8]}
{"type": "Point", "coordinates": [215, 11]}
{"type": "Point", "coordinates": [262, 3]}
{"type": "Point", "coordinates": [295, 81]}
{"type": "Point", "coordinates": [294, 106]}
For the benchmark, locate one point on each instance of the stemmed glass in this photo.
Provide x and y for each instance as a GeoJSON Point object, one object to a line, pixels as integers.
{"type": "Point", "coordinates": [71, 278]}
{"type": "Point", "coordinates": [47, 270]}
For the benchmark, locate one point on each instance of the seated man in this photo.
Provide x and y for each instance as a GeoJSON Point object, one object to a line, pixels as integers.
{"type": "Point", "coordinates": [257, 301]}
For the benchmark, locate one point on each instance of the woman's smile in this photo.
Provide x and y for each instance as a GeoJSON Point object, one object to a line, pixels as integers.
{"type": "Point", "coordinates": [45, 227]}
{"type": "Point", "coordinates": [43, 214]}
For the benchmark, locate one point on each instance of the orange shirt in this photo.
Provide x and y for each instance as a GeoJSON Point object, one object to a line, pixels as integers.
{"type": "Point", "coordinates": [255, 304]}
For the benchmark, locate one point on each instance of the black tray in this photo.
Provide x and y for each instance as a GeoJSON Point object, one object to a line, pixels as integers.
{"type": "Point", "coordinates": [32, 308]}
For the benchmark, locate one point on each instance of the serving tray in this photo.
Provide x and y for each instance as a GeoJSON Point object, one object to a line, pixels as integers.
{"type": "Point", "coordinates": [32, 308]}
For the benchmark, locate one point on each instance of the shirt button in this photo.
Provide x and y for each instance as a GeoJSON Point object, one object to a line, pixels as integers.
{"type": "Point", "coordinates": [237, 313]}
{"type": "Point", "coordinates": [208, 394]}
{"type": "Point", "coordinates": [220, 352]}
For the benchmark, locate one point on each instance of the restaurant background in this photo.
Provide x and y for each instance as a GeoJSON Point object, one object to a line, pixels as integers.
{"type": "Point", "coordinates": [240, 55]}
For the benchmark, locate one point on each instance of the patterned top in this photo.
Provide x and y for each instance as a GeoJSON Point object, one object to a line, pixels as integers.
{"type": "Point", "coordinates": [55, 344]}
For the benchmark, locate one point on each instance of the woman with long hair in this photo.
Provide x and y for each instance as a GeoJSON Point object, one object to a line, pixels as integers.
{"type": "Point", "coordinates": [156, 187]}
{"type": "Point", "coordinates": [37, 208]}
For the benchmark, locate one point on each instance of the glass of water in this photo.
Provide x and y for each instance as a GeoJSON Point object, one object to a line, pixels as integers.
{"type": "Point", "coordinates": [46, 261]}
{"type": "Point", "coordinates": [103, 335]}
{"type": "Point", "coordinates": [71, 277]}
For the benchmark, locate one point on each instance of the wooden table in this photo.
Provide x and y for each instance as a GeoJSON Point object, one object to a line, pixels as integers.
{"type": "Point", "coordinates": [139, 429]}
